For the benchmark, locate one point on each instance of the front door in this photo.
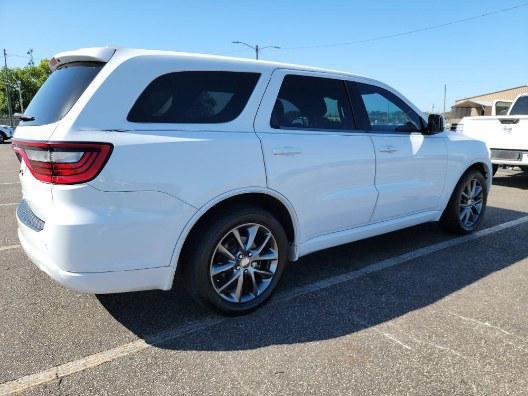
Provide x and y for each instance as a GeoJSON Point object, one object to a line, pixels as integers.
{"type": "Point", "coordinates": [410, 165]}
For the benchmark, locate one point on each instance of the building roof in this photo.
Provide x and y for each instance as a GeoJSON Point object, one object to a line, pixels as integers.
{"type": "Point", "coordinates": [507, 94]}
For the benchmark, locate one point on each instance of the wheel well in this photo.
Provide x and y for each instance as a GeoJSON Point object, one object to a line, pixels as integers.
{"type": "Point", "coordinates": [265, 201]}
{"type": "Point", "coordinates": [479, 166]}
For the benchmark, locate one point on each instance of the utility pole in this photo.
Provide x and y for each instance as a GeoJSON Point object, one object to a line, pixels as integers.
{"type": "Point", "coordinates": [256, 47]}
{"type": "Point", "coordinates": [30, 53]}
{"type": "Point", "coordinates": [19, 88]}
{"type": "Point", "coordinates": [8, 97]}
{"type": "Point", "coordinates": [445, 94]}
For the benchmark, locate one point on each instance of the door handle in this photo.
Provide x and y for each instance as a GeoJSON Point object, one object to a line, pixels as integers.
{"type": "Point", "coordinates": [388, 149]}
{"type": "Point", "coordinates": [287, 151]}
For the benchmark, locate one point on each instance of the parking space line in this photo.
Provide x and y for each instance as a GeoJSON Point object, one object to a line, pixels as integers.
{"type": "Point", "coordinates": [91, 361]}
{"type": "Point", "coordinates": [9, 183]}
{"type": "Point", "coordinates": [9, 247]}
{"type": "Point", "coordinates": [9, 204]}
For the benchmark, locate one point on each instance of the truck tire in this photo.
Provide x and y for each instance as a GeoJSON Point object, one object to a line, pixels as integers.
{"type": "Point", "coordinates": [495, 168]}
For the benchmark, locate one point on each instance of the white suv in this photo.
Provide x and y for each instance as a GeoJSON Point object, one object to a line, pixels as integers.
{"type": "Point", "coordinates": [136, 164]}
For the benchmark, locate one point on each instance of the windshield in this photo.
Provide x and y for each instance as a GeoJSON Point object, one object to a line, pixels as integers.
{"type": "Point", "coordinates": [520, 106]}
{"type": "Point", "coordinates": [60, 92]}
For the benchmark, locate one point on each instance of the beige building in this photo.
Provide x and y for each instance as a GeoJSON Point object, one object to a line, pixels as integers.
{"type": "Point", "coordinates": [497, 103]}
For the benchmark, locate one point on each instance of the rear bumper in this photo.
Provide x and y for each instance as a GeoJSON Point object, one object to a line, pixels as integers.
{"type": "Point", "coordinates": [522, 159]}
{"type": "Point", "coordinates": [97, 282]}
{"type": "Point", "coordinates": [106, 242]}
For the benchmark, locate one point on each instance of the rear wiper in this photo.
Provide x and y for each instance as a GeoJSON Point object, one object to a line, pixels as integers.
{"type": "Point", "coordinates": [23, 117]}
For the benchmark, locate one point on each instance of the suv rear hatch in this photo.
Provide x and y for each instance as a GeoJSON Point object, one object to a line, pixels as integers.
{"type": "Point", "coordinates": [73, 73]}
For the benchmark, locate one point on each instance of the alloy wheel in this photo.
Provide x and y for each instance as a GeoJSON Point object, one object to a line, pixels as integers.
{"type": "Point", "coordinates": [244, 263]}
{"type": "Point", "coordinates": [471, 203]}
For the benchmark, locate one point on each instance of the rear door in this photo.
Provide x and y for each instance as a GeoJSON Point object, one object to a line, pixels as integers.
{"type": "Point", "coordinates": [314, 154]}
{"type": "Point", "coordinates": [410, 165]}
{"type": "Point", "coordinates": [51, 104]}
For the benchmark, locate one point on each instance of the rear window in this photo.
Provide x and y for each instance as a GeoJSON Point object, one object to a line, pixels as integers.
{"type": "Point", "coordinates": [60, 92]}
{"type": "Point", "coordinates": [200, 97]}
{"type": "Point", "coordinates": [520, 107]}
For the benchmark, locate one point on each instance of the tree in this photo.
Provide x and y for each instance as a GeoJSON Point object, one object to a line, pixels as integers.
{"type": "Point", "coordinates": [31, 79]}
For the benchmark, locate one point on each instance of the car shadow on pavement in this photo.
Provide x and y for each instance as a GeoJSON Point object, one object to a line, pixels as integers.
{"type": "Point", "coordinates": [515, 180]}
{"type": "Point", "coordinates": [338, 310]}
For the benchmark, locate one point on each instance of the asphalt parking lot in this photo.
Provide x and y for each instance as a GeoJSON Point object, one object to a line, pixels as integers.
{"type": "Point", "coordinates": [415, 312]}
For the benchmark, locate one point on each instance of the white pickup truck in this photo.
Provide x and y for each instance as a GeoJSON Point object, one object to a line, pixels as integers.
{"type": "Point", "coordinates": [505, 136]}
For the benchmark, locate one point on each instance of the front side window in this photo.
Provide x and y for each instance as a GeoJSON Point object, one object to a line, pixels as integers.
{"type": "Point", "coordinates": [200, 97]}
{"type": "Point", "coordinates": [387, 112]}
{"type": "Point", "coordinates": [306, 102]}
{"type": "Point", "coordinates": [520, 107]}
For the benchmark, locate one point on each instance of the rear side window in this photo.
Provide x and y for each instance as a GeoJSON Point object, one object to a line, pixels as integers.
{"type": "Point", "coordinates": [387, 112]}
{"type": "Point", "coordinates": [60, 92]}
{"type": "Point", "coordinates": [306, 102]}
{"type": "Point", "coordinates": [520, 107]}
{"type": "Point", "coordinates": [200, 97]}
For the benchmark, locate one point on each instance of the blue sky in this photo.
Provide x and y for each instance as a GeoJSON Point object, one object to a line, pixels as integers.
{"type": "Point", "coordinates": [474, 57]}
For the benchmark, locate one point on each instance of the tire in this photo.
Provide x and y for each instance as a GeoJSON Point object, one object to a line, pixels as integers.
{"type": "Point", "coordinates": [524, 168]}
{"type": "Point", "coordinates": [224, 281]}
{"type": "Point", "coordinates": [466, 207]}
{"type": "Point", "coordinates": [3, 138]}
{"type": "Point", "coordinates": [495, 168]}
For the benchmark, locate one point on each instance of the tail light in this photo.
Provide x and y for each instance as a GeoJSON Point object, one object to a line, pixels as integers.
{"type": "Point", "coordinates": [63, 163]}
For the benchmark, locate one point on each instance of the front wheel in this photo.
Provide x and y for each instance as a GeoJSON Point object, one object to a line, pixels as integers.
{"type": "Point", "coordinates": [236, 259]}
{"type": "Point", "coordinates": [2, 138]}
{"type": "Point", "coordinates": [467, 205]}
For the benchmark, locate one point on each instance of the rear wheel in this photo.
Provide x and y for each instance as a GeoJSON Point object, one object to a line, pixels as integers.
{"type": "Point", "coordinates": [3, 138]}
{"type": "Point", "coordinates": [467, 205]}
{"type": "Point", "coordinates": [236, 259]}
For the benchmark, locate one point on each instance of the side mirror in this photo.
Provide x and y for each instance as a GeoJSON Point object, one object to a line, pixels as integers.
{"type": "Point", "coordinates": [435, 123]}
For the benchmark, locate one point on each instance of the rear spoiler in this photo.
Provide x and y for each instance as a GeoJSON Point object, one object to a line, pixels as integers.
{"type": "Point", "coordinates": [101, 54]}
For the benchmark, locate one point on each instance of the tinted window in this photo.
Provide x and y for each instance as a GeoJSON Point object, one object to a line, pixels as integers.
{"type": "Point", "coordinates": [60, 92]}
{"type": "Point", "coordinates": [201, 97]}
{"type": "Point", "coordinates": [520, 107]}
{"type": "Point", "coordinates": [312, 103]}
{"type": "Point", "coordinates": [501, 108]}
{"type": "Point", "coordinates": [387, 112]}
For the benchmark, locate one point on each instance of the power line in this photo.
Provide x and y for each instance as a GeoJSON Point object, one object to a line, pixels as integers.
{"type": "Point", "coordinates": [409, 32]}
{"type": "Point", "coordinates": [10, 55]}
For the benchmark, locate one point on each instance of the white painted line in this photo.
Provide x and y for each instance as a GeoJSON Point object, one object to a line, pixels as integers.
{"type": "Point", "coordinates": [9, 184]}
{"type": "Point", "coordinates": [9, 247]}
{"type": "Point", "coordinates": [9, 204]}
{"type": "Point", "coordinates": [91, 361]}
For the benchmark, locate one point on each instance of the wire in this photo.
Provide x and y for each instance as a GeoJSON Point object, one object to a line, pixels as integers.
{"type": "Point", "coordinates": [409, 32]}
{"type": "Point", "coordinates": [17, 56]}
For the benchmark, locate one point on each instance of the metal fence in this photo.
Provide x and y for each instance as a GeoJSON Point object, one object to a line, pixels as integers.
{"type": "Point", "coordinates": [4, 120]}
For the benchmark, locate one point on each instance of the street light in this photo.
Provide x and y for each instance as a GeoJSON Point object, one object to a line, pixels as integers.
{"type": "Point", "coordinates": [256, 47]}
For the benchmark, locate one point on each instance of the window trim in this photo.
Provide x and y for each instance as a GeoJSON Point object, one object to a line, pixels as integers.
{"type": "Point", "coordinates": [363, 115]}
